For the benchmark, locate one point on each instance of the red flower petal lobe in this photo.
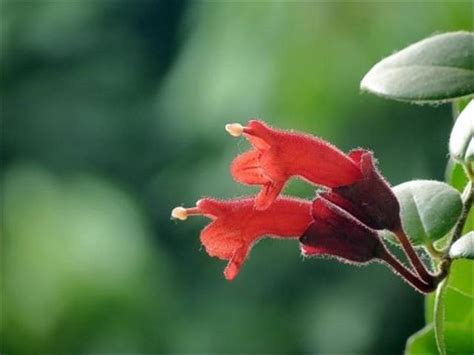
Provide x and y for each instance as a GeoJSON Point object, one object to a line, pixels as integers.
{"type": "Point", "coordinates": [246, 169]}
{"type": "Point", "coordinates": [268, 194]}
{"type": "Point", "coordinates": [235, 263]}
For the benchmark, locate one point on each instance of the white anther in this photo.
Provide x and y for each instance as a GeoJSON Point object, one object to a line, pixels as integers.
{"type": "Point", "coordinates": [179, 213]}
{"type": "Point", "coordinates": [234, 129]}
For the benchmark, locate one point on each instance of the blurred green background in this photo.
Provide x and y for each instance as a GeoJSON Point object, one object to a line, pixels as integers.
{"type": "Point", "coordinates": [112, 113]}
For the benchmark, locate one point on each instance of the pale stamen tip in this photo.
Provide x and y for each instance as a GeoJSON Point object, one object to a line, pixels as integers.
{"type": "Point", "coordinates": [234, 129]}
{"type": "Point", "coordinates": [179, 213]}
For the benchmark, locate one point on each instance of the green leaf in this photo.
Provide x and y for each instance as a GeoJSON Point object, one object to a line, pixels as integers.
{"type": "Point", "coordinates": [458, 293]}
{"type": "Point", "coordinates": [463, 248]}
{"type": "Point", "coordinates": [461, 277]}
{"type": "Point", "coordinates": [456, 175]}
{"type": "Point", "coordinates": [459, 339]}
{"type": "Point", "coordinates": [439, 316]}
{"type": "Point", "coordinates": [435, 69]}
{"type": "Point", "coordinates": [469, 225]}
{"type": "Point", "coordinates": [461, 141]}
{"type": "Point", "coordinates": [429, 307]}
{"type": "Point", "coordinates": [429, 209]}
{"type": "Point", "coordinates": [458, 308]}
{"type": "Point", "coordinates": [457, 317]}
{"type": "Point", "coordinates": [422, 342]}
{"type": "Point", "coordinates": [459, 105]}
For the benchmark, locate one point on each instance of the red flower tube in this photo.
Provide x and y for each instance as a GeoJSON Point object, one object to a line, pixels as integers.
{"type": "Point", "coordinates": [278, 155]}
{"type": "Point", "coordinates": [237, 225]}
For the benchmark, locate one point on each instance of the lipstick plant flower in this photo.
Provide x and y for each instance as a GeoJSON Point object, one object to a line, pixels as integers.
{"type": "Point", "coordinates": [341, 222]}
{"type": "Point", "coordinates": [356, 215]}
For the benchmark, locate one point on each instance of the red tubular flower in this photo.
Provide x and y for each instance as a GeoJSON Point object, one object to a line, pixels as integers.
{"type": "Point", "coordinates": [237, 225]}
{"type": "Point", "coordinates": [341, 222]}
{"type": "Point", "coordinates": [356, 184]}
{"type": "Point", "coordinates": [277, 155]}
{"type": "Point", "coordinates": [335, 232]}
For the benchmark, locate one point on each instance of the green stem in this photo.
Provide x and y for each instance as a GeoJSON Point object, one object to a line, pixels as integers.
{"type": "Point", "coordinates": [439, 311]}
{"type": "Point", "coordinates": [467, 196]}
{"type": "Point", "coordinates": [469, 171]}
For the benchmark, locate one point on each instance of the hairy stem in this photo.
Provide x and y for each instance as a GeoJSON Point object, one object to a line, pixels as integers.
{"type": "Point", "coordinates": [406, 274]}
{"type": "Point", "coordinates": [413, 257]}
